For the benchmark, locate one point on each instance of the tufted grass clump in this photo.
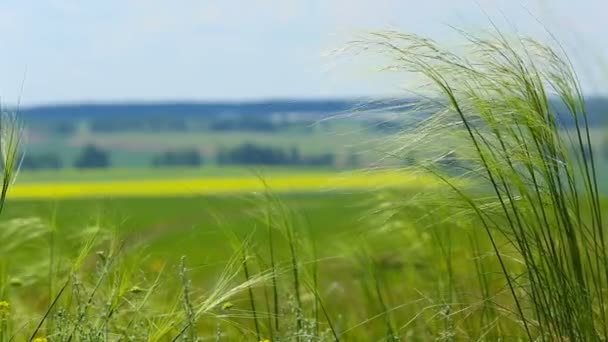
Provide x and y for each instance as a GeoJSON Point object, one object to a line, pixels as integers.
{"type": "Point", "coordinates": [500, 107]}
{"type": "Point", "coordinates": [11, 138]}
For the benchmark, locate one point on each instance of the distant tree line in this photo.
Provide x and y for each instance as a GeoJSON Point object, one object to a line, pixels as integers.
{"type": "Point", "coordinates": [92, 156]}
{"type": "Point", "coordinates": [167, 124]}
{"type": "Point", "coordinates": [54, 127]}
{"type": "Point", "coordinates": [257, 124]}
{"type": "Point", "coordinates": [89, 157]}
{"type": "Point", "coordinates": [151, 124]}
{"type": "Point", "coordinates": [182, 157]}
{"type": "Point", "coordinates": [64, 128]}
{"type": "Point", "coordinates": [41, 161]}
{"type": "Point", "coordinates": [252, 154]}
{"type": "Point", "coordinates": [81, 111]}
{"type": "Point", "coordinates": [244, 124]}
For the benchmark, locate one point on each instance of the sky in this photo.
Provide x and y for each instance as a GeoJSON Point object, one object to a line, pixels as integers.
{"type": "Point", "coordinates": [65, 51]}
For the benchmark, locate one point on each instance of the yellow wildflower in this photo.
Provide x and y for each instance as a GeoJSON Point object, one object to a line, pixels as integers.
{"type": "Point", "coordinates": [41, 339]}
{"type": "Point", "coordinates": [227, 306]}
{"type": "Point", "coordinates": [265, 340]}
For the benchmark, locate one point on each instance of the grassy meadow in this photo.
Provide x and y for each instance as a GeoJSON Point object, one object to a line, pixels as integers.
{"type": "Point", "coordinates": [490, 225]}
{"type": "Point", "coordinates": [398, 273]}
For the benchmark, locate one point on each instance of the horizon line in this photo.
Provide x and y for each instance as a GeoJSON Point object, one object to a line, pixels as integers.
{"type": "Point", "coordinates": [261, 100]}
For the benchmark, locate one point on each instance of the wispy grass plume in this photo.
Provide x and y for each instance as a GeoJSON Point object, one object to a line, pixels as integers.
{"type": "Point", "coordinates": [500, 108]}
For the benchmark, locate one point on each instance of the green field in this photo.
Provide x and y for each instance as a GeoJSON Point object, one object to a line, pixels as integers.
{"type": "Point", "coordinates": [196, 227]}
{"type": "Point", "coordinates": [337, 237]}
{"type": "Point", "coordinates": [344, 246]}
{"type": "Point", "coordinates": [158, 232]}
{"type": "Point", "coordinates": [207, 171]}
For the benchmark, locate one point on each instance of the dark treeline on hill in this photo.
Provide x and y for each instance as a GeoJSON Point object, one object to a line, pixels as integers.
{"type": "Point", "coordinates": [596, 108]}
{"type": "Point", "coordinates": [64, 127]}
{"type": "Point", "coordinates": [251, 154]}
{"type": "Point", "coordinates": [182, 157]}
{"type": "Point", "coordinates": [193, 109]}
{"type": "Point", "coordinates": [151, 124]}
{"type": "Point", "coordinates": [41, 161]}
{"type": "Point", "coordinates": [244, 123]}
{"type": "Point", "coordinates": [92, 157]}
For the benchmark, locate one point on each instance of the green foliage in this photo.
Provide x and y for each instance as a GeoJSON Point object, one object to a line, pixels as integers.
{"type": "Point", "coordinates": [183, 157]}
{"type": "Point", "coordinates": [92, 157]}
{"type": "Point", "coordinates": [252, 154]}
{"type": "Point", "coordinates": [145, 123]}
{"type": "Point", "coordinates": [64, 128]}
{"type": "Point", "coordinates": [41, 162]}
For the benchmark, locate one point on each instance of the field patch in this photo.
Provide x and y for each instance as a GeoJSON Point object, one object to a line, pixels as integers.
{"type": "Point", "coordinates": [222, 185]}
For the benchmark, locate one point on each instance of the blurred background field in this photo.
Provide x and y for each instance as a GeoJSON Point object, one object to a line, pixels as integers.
{"type": "Point", "coordinates": [224, 139]}
{"type": "Point", "coordinates": [191, 172]}
{"type": "Point", "coordinates": [167, 228]}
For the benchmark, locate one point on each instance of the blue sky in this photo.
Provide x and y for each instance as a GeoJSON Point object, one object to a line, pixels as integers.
{"type": "Point", "coordinates": [154, 50]}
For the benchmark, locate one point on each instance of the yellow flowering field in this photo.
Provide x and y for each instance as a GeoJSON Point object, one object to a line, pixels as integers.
{"type": "Point", "coordinates": [327, 181]}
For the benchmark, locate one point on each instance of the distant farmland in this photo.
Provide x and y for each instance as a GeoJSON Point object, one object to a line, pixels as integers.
{"type": "Point", "coordinates": [167, 187]}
